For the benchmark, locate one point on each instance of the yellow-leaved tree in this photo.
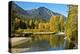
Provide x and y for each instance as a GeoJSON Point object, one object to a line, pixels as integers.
{"type": "Point", "coordinates": [71, 27]}
{"type": "Point", "coordinates": [41, 26]}
{"type": "Point", "coordinates": [54, 23]}
{"type": "Point", "coordinates": [61, 24]}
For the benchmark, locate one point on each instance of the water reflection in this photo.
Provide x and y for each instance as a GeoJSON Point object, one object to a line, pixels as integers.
{"type": "Point", "coordinates": [42, 42]}
{"type": "Point", "coordinates": [48, 41]}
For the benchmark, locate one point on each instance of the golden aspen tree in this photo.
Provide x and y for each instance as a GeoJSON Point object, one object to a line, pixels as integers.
{"type": "Point", "coordinates": [41, 26]}
{"type": "Point", "coordinates": [54, 23]}
{"type": "Point", "coordinates": [71, 27]}
{"type": "Point", "coordinates": [71, 23]}
{"type": "Point", "coordinates": [47, 26]}
{"type": "Point", "coordinates": [61, 23]}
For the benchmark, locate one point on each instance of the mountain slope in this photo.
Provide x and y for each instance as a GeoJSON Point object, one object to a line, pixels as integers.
{"type": "Point", "coordinates": [39, 13]}
{"type": "Point", "coordinates": [42, 12]}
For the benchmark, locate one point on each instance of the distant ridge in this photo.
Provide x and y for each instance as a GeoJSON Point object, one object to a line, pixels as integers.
{"type": "Point", "coordinates": [39, 13]}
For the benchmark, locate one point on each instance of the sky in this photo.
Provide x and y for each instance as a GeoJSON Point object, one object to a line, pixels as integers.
{"type": "Point", "coordinates": [59, 8]}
